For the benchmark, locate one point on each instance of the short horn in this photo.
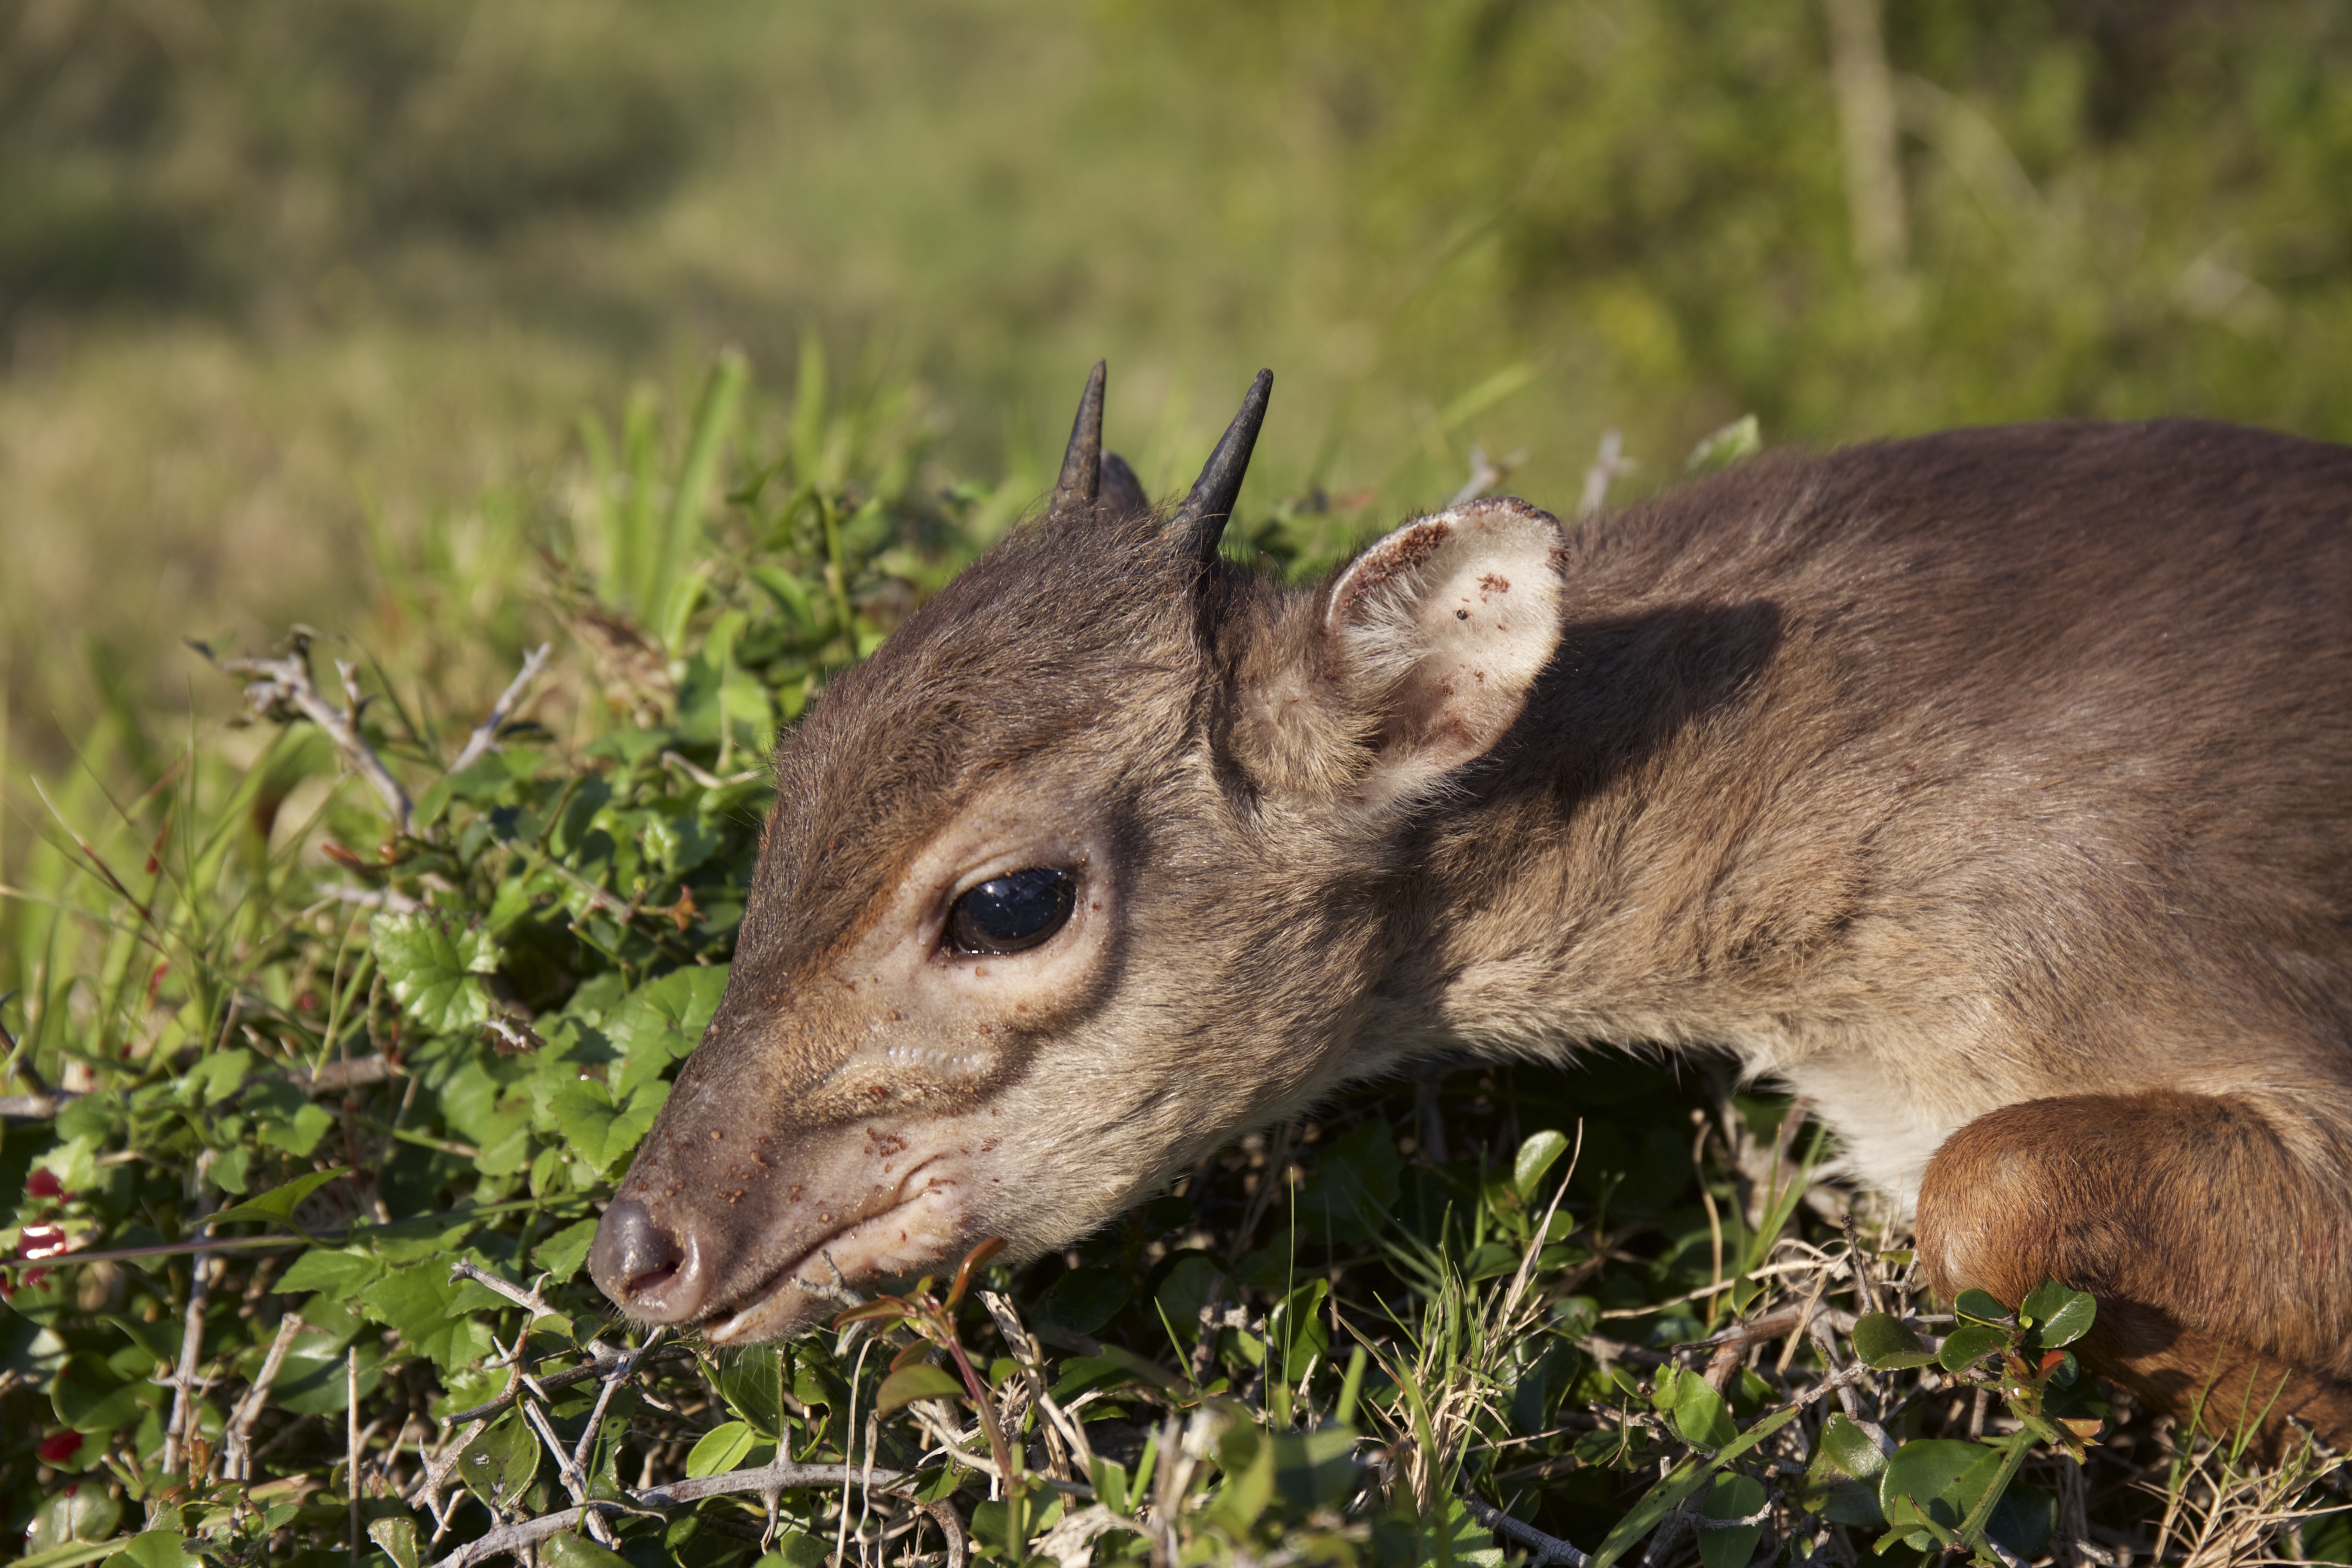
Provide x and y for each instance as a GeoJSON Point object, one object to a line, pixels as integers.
{"type": "Point", "coordinates": [1200, 523]}
{"type": "Point", "coordinates": [1074, 492]}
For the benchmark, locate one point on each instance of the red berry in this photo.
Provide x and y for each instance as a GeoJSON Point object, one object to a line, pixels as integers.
{"type": "Point", "coordinates": [57, 1449]}
{"type": "Point", "coordinates": [36, 1241]}
{"type": "Point", "coordinates": [44, 1183]}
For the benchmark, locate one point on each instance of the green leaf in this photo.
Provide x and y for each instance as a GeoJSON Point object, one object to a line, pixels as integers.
{"type": "Point", "coordinates": [1084, 1374]}
{"type": "Point", "coordinates": [1740, 438]}
{"type": "Point", "coordinates": [1847, 1444]}
{"type": "Point", "coordinates": [315, 1377]}
{"type": "Point", "coordinates": [561, 1254]}
{"type": "Point", "coordinates": [501, 1461]}
{"type": "Point", "coordinates": [1536, 1156]}
{"type": "Point", "coordinates": [582, 1114]}
{"type": "Point", "coordinates": [397, 1536]}
{"type": "Point", "coordinates": [1840, 1483]}
{"type": "Point", "coordinates": [156, 1548]}
{"type": "Point", "coordinates": [1971, 1344]}
{"type": "Point", "coordinates": [1700, 1415]}
{"type": "Point", "coordinates": [1733, 1496]}
{"type": "Point", "coordinates": [335, 1273]}
{"type": "Point", "coordinates": [89, 1396]}
{"type": "Point", "coordinates": [1316, 1469]}
{"type": "Point", "coordinates": [1246, 1456]}
{"type": "Point", "coordinates": [2041, 1302]}
{"type": "Point", "coordinates": [219, 1076]}
{"type": "Point", "coordinates": [1982, 1306]}
{"type": "Point", "coordinates": [1677, 1485]}
{"type": "Point", "coordinates": [1111, 1482]}
{"type": "Point", "coordinates": [1939, 1482]}
{"type": "Point", "coordinates": [229, 1171]}
{"type": "Point", "coordinates": [86, 1513]}
{"type": "Point", "coordinates": [1083, 1300]}
{"type": "Point", "coordinates": [753, 1386]}
{"type": "Point", "coordinates": [720, 1450]}
{"type": "Point", "coordinates": [662, 1020]}
{"type": "Point", "coordinates": [1884, 1344]}
{"type": "Point", "coordinates": [160, 1341]}
{"type": "Point", "coordinates": [1653, 1506]}
{"type": "Point", "coordinates": [2063, 1315]}
{"type": "Point", "coordinates": [432, 971]}
{"type": "Point", "coordinates": [276, 1206]}
{"type": "Point", "coordinates": [796, 1549]}
{"type": "Point", "coordinates": [421, 1305]}
{"type": "Point", "coordinates": [1298, 1326]}
{"type": "Point", "coordinates": [299, 1133]}
{"type": "Point", "coordinates": [909, 1383]}
{"type": "Point", "coordinates": [1921, 1482]}
{"type": "Point", "coordinates": [570, 1550]}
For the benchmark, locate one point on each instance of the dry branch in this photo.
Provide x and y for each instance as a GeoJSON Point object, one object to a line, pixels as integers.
{"type": "Point", "coordinates": [285, 683]}
{"type": "Point", "coordinates": [484, 738]}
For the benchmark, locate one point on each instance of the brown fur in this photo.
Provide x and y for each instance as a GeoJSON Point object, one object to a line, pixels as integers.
{"type": "Point", "coordinates": [1989, 788]}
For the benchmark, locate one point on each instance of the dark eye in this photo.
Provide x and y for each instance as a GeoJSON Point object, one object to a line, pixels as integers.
{"type": "Point", "coordinates": [1016, 910]}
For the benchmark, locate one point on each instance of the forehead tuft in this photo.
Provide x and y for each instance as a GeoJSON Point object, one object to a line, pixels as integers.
{"type": "Point", "coordinates": [1039, 647]}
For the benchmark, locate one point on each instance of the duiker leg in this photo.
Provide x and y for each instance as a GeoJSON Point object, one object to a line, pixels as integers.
{"type": "Point", "coordinates": [2217, 1255]}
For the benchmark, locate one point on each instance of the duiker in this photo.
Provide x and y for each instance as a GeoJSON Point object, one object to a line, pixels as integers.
{"type": "Point", "coordinates": [1990, 790]}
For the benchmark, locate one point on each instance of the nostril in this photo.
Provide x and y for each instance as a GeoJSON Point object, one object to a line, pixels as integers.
{"type": "Point", "coordinates": [653, 1278]}
{"type": "Point", "coordinates": [637, 1261]}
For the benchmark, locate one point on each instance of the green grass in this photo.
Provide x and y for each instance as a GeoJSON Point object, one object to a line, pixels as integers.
{"type": "Point", "coordinates": [291, 1082]}
{"type": "Point", "coordinates": [277, 277]}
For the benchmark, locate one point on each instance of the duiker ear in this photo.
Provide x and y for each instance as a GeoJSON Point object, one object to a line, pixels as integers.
{"type": "Point", "coordinates": [1435, 636]}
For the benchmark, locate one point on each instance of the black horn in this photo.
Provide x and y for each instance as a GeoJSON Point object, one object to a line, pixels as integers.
{"type": "Point", "coordinates": [1200, 523]}
{"type": "Point", "coordinates": [1074, 492]}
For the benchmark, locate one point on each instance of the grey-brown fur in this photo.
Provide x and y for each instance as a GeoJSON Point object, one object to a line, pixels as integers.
{"type": "Point", "coordinates": [1933, 777]}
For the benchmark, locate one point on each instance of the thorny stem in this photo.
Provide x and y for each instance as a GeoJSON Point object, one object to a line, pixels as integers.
{"type": "Point", "coordinates": [779, 1476]}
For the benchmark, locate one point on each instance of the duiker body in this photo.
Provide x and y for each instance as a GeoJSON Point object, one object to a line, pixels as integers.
{"type": "Point", "coordinates": [1993, 790]}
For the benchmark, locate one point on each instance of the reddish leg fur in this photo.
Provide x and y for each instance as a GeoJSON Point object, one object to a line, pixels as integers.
{"type": "Point", "coordinates": [2219, 1258]}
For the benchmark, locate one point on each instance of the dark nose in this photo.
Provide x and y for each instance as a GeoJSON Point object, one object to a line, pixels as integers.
{"type": "Point", "coordinates": [651, 1273]}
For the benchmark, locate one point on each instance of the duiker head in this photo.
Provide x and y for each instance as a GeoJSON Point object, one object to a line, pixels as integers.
{"type": "Point", "coordinates": [1103, 856]}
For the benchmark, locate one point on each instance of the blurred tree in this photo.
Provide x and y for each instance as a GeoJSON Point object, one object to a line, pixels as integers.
{"type": "Point", "coordinates": [180, 154]}
{"type": "Point", "coordinates": [2111, 209]}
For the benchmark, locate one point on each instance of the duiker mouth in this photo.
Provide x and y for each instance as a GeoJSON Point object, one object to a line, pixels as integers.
{"type": "Point", "coordinates": [900, 1239]}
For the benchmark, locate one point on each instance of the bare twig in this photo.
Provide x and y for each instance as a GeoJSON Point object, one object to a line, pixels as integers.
{"type": "Point", "coordinates": [777, 1476]}
{"type": "Point", "coordinates": [1070, 1543]}
{"type": "Point", "coordinates": [530, 1300]}
{"type": "Point", "coordinates": [1484, 475]}
{"type": "Point", "coordinates": [238, 1465]}
{"type": "Point", "coordinates": [780, 1474]}
{"type": "Point", "coordinates": [551, 1381]}
{"type": "Point", "coordinates": [1866, 1297]}
{"type": "Point", "coordinates": [390, 899]}
{"type": "Point", "coordinates": [285, 683]}
{"type": "Point", "coordinates": [335, 1078]}
{"type": "Point", "coordinates": [1608, 464]}
{"type": "Point", "coordinates": [351, 1439]}
{"type": "Point", "coordinates": [192, 1351]}
{"type": "Point", "coordinates": [704, 776]}
{"type": "Point", "coordinates": [1547, 1548]}
{"type": "Point", "coordinates": [950, 1526]}
{"type": "Point", "coordinates": [484, 738]}
{"type": "Point", "coordinates": [622, 1367]}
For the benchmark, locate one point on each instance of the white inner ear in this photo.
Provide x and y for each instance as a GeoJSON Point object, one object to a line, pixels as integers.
{"type": "Point", "coordinates": [1444, 625]}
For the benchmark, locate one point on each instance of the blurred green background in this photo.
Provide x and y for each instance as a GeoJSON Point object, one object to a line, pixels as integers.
{"type": "Point", "coordinates": [280, 278]}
